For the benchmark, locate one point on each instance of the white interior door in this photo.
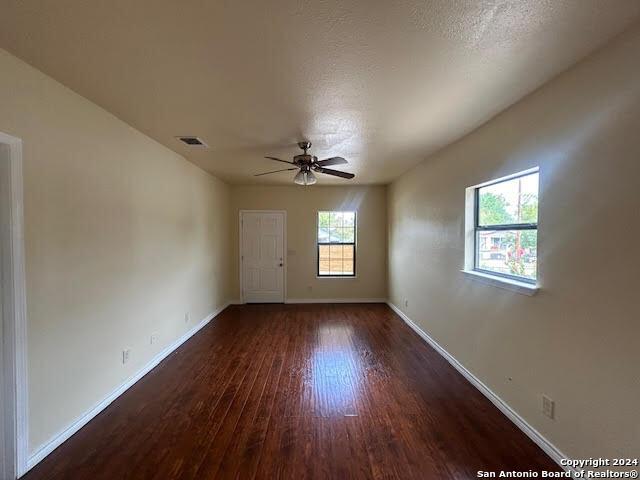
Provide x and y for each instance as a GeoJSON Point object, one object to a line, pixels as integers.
{"type": "Point", "coordinates": [262, 256]}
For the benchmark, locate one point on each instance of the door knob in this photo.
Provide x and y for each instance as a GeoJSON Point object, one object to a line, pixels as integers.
{"type": "Point", "coordinates": [281, 264]}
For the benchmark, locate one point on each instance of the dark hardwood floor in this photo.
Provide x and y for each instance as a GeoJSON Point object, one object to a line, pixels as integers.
{"type": "Point", "coordinates": [298, 391]}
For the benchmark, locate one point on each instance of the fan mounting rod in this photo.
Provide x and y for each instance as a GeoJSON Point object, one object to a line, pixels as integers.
{"type": "Point", "coordinates": [304, 146]}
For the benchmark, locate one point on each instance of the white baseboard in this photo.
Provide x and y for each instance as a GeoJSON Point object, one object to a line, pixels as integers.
{"type": "Point", "coordinates": [531, 432]}
{"type": "Point", "coordinates": [335, 300]}
{"type": "Point", "coordinates": [548, 447]}
{"type": "Point", "coordinates": [80, 422]}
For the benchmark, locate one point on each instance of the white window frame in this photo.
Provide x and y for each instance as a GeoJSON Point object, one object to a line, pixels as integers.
{"type": "Point", "coordinates": [355, 244]}
{"type": "Point", "coordinates": [497, 280]}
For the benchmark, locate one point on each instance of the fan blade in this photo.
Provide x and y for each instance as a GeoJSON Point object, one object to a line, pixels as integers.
{"type": "Point", "coordinates": [332, 161]}
{"type": "Point", "coordinates": [275, 171]}
{"type": "Point", "coordinates": [278, 160]}
{"type": "Point", "coordinates": [335, 173]}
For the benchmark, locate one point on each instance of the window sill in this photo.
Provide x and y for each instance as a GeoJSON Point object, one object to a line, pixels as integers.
{"type": "Point", "coordinates": [338, 276]}
{"type": "Point", "coordinates": [522, 288]}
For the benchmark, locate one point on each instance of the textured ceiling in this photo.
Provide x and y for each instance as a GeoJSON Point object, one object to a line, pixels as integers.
{"type": "Point", "coordinates": [381, 83]}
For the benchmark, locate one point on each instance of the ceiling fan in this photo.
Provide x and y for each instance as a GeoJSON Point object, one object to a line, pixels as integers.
{"type": "Point", "coordinates": [307, 164]}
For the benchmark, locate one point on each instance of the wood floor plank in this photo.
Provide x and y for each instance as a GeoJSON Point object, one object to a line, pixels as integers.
{"type": "Point", "coordinates": [298, 391]}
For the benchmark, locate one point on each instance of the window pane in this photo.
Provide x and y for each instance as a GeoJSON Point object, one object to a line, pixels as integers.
{"type": "Point", "coordinates": [323, 219]}
{"type": "Point", "coordinates": [511, 201]}
{"type": "Point", "coordinates": [347, 266]}
{"type": "Point", "coordinates": [349, 235]}
{"type": "Point", "coordinates": [336, 235]}
{"type": "Point", "coordinates": [323, 267]}
{"type": "Point", "coordinates": [510, 252]}
{"type": "Point", "coordinates": [346, 235]}
{"type": "Point", "coordinates": [349, 219]}
{"type": "Point", "coordinates": [336, 266]}
{"type": "Point", "coordinates": [323, 260]}
{"type": "Point", "coordinates": [324, 251]}
{"type": "Point", "coordinates": [323, 235]}
{"type": "Point", "coordinates": [336, 219]}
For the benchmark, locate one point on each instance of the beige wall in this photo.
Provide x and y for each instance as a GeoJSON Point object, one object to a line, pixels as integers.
{"type": "Point", "coordinates": [302, 205]}
{"type": "Point", "coordinates": [123, 237]}
{"type": "Point", "coordinates": [577, 340]}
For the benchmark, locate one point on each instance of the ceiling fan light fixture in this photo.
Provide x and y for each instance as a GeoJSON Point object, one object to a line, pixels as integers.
{"type": "Point", "coordinates": [308, 164]}
{"type": "Point", "coordinates": [305, 177]}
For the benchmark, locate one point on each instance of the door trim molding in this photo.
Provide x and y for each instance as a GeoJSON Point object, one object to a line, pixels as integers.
{"type": "Point", "coordinates": [285, 259]}
{"type": "Point", "coordinates": [14, 315]}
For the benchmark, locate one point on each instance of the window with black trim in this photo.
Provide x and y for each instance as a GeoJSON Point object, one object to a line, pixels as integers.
{"type": "Point", "coordinates": [506, 228]}
{"type": "Point", "coordinates": [336, 244]}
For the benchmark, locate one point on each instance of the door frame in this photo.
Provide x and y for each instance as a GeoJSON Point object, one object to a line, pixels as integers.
{"type": "Point", "coordinates": [284, 249]}
{"type": "Point", "coordinates": [14, 316]}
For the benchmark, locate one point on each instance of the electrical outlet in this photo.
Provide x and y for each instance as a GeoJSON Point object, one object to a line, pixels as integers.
{"type": "Point", "coordinates": [187, 317]}
{"type": "Point", "coordinates": [154, 338]}
{"type": "Point", "coordinates": [548, 407]}
{"type": "Point", "coordinates": [310, 288]}
{"type": "Point", "coordinates": [406, 302]}
{"type": "Point", "coordinates": [125, 355]}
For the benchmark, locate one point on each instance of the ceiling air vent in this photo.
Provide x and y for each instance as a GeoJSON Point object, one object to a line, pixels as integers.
{"type": "Point", "coordinates": [192, 141]}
